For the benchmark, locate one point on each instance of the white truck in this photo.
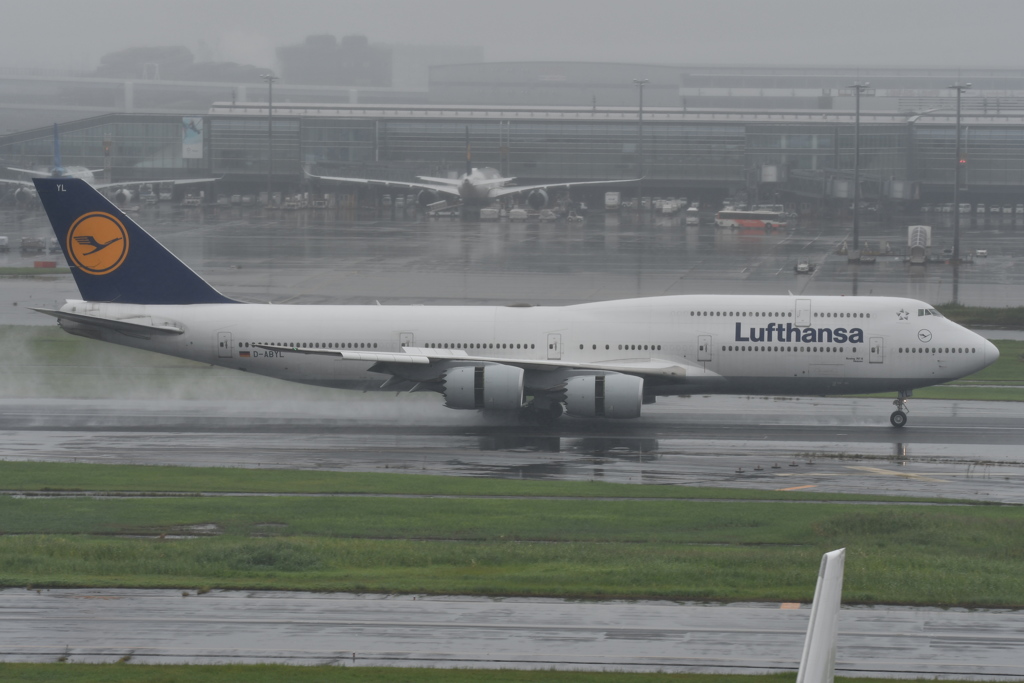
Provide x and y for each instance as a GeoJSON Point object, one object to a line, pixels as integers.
{"type": "Point", "coordinates": [612, 201]}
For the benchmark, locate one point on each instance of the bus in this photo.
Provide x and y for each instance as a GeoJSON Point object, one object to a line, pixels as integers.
{"type": "Point", "coordinates": [734, 218]}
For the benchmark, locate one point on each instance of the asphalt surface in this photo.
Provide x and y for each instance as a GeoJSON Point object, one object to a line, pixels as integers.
{"type": "Point", "coordinates": [950, 449]}
{"type": "Point", "coordinates": [159, 626]}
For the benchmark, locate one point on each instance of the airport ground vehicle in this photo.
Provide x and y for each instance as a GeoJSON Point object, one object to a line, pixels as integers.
{"type": "Point", "coordinates": [733, 218]}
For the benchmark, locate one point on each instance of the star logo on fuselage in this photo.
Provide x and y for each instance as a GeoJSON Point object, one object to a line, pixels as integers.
{"type": "Point", "coordinates": [903, 315]}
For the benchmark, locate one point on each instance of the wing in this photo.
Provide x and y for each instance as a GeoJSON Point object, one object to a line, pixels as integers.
{"type": "Point", "coordinates": [448, 357]}
{"type": "Point", "coordinates": [502, 191]}
{"type": "Point", "coordinates": [131, 183]}
{"type": "Point", "coordinates": [443, 188]}
{"type": "Point", "coordinates": [23, 183]}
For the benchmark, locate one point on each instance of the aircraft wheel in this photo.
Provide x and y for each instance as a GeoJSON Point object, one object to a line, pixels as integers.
{"type": "Point", "coordinates": [547, 415]}
{"type": "Point", "coordinates": [898, 418]}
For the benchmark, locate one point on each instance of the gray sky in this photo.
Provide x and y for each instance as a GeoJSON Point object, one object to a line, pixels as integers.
{"type": "Point", "coordinates": [940, 33]}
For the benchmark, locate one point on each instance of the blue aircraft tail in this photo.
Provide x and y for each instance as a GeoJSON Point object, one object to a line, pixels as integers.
{"type": "Point", "coordinates": [111, 257]}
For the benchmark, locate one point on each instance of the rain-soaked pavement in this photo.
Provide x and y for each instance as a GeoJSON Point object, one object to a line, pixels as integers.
{"type": "Point", "coordinates": [949, 449]}
{"type": "Point", "coordinates": [162, 626]}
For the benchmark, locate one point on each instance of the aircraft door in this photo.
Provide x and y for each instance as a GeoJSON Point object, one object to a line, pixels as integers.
{"type": "Point", "coordinates": [224, 345]}
{"type": "Point", "coordinates": [802, 315]}
{"type": "Point", "coordinates": [405, 339]}
{"type": "Point", "coordinates": [704, 347]}
{"type": "Point", "coordinates": [554, 347]}
{"type": "Point", "coordinates": [876, 349]}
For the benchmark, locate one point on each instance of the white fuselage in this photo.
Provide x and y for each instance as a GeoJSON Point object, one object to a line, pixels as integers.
{"type": "Point", "coordinates": [475, 188]}
{"type": "Point", "coordinates": [720, 344]}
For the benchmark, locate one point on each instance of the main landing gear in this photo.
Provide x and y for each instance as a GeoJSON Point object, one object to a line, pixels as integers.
{"type": "Point", "coordinates": [899, 416]}
{"type": "Point", "coordinates": [543, 413]}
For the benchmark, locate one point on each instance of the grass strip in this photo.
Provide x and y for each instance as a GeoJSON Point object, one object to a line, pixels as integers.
{"type": "Point", "coordinates": [14, 271]}
{"type": "Point", "coordinates": [273, 673]}
{"type": "Point", "coordinates": [1009, 318]}
{"type": "Point", "coordinates": [634, 549]}
{"type": "Point", "coordinates": [44, 477]}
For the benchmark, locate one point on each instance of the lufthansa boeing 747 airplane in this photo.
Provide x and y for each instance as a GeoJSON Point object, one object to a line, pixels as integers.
{"type": "Point", "coordinates": [596, 360]}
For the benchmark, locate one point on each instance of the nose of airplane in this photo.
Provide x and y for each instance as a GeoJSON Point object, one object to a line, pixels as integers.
{"type": "Point", "coordinates": [991, 352]}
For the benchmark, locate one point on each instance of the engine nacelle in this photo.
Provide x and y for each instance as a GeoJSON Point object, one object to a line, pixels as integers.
{"type": "Point", "coordinates": [613, 395]}
{"type": "Point", "coordinates": [488, 387]}
{"type": "Point", "coordinates": [122, 195]}
{"type": "Point", "coordinates": [537, 199]}
{"type": "Point", "coordinates": [425, 198]}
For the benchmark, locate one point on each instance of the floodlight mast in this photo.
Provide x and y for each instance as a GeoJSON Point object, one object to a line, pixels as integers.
{"type": "Point", "coordinates": [960, 88]}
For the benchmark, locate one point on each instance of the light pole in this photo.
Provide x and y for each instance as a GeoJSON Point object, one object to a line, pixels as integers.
{"type": "Point", "coordinates": [858, 88]}
{"type": "Point", "coordinates": [640, 83]}
{"type": "Point", "coordinates": [270, 78]}
{"type": "Point", "coordinates": [959, 87]}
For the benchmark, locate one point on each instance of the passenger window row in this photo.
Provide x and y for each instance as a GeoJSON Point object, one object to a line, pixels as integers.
{"type": "Point", "coordinates": [934, 349]}
{"type": "Point", "coordinates": [459, 345]}
{"type": "Point", "coordinates": [628, 347]}
{"type": "Point", "coordinates": [758, 314]}
{"type": "Point", "coordinates": [314, 345]}
{"type": "Point", "coordinates": [797, 349]}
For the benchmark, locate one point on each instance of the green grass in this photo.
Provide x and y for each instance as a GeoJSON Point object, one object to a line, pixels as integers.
{"type": "Point", "coordinates": [979, 316]}
{"type": "Point", "coordinates": [29, 272]}
{"type": "Point", "coordinates": [631, 548]}
{"type": "Point", "coordinates": [272, 673]}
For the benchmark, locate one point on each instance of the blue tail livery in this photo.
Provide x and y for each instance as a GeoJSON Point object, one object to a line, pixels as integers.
{"type": "Point", "coordinates": [111, 257]}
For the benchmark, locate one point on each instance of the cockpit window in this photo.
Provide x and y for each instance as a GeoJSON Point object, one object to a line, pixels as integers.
{"type": "Point", "coordinates": [928, 311]}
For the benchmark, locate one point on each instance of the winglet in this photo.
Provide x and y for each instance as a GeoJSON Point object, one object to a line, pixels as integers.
{"type": "Point", "coordinates": [818, 663]}
{"type": "Point", "coordinates": [111, 257]}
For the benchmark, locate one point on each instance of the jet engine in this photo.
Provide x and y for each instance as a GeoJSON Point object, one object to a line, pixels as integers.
{"type": "Point", "coordinates": [613, 395]}
{"type": "Point", "coordinates": [490, 387]}
{"type": "Point", "coordinates": [122, 195]}
{"type": "Point", "coordinates": [537, 199]}
{"type": "Point", "coordinates": [424, 198]}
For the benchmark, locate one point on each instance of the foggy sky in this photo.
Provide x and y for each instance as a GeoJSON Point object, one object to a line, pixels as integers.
{"type": "Point", "coordinates": [74, 34]}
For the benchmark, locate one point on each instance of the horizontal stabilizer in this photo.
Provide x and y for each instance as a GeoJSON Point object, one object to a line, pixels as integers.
{"type": "Point", "coordinates": [133, 326]}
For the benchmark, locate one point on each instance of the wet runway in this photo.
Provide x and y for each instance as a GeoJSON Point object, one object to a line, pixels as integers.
{"type": "Point", "coordinates": [160, 626]}
{"type": "Point", "coordinates": [972, 450]}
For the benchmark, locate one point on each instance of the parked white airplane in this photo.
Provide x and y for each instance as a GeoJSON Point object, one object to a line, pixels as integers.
{"type": "Point", "coordinates": [589, 360]}
{"type": "Point", "coordinates": [476, 187]}
{"type": "Point", "coordinates": [58, 170]}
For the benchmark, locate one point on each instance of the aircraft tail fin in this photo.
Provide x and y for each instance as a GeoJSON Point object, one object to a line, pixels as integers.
{"type": "Point", "coordinates": [818, 663]}
{"type": "Point", "coordinates": [111, 257]}
{"type": "Point", "coordinates": [469, 155]}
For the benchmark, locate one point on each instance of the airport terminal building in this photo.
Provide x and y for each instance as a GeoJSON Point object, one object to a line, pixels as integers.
{"type": "Point", "coordinates": [696, 141]}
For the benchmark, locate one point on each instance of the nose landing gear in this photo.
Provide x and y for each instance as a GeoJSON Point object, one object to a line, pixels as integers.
{"type": "Point", "coordinates": [899, 416]}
